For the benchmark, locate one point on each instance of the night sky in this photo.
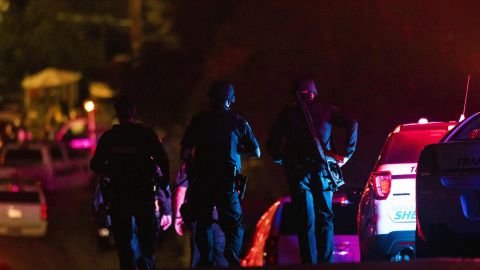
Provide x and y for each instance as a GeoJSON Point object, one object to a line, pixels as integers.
{"type": "Point", "coordinates": [383, 62]}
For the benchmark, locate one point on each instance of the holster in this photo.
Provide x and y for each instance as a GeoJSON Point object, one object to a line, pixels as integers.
{"type": "Point", "coordinates": [240, 181]}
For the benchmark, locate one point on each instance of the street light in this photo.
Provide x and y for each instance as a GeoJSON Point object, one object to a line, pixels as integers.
{"type": "Point", "coordinates": [89, 106]}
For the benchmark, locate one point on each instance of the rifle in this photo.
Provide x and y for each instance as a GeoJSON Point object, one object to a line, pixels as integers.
{"type": "Point", "coordinates": [334, 173]}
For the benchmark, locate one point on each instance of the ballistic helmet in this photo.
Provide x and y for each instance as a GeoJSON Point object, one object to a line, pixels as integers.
{"type": "Point", "coordinates": [305, 84]}
{"type": "Point", "coordinates": [124, 107]}
{"type": "Point", "coordinates": [221, 91]}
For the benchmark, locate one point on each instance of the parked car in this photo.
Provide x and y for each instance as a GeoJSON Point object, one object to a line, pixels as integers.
{"type": "Point", "coordinates": [275, 241]}
{"type": "Point", "coordinates": [386, 215]}
{"type": "Point", "coordinates": [23, 208]}
{"type": "Point", "coordinates": [448, 194]}
{"type": "Point", "coordinates": [47, 162]}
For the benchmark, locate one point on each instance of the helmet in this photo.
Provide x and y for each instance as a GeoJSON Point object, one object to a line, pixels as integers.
{"type": "Point", "coordinates": [124, 107]}
{"type": "Point", "coordinates": [221, 91]}
{"type": "Point", "coordinates": [305, 84]}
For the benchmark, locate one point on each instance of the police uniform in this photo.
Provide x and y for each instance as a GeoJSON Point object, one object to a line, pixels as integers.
{"type": "Point", "coordinates": [129, 155]}
{"type": "Point", "coordinates": [217, 234]}
{"type": "Point", "coordinates": [290, 143]}
{"type": "Point", "coordinates": [216, 135]}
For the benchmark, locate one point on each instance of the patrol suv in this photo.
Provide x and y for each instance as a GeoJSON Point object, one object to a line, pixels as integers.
{"type": "Point", "coordinates": [448, 194]}
{"type": "Point", "coordinates": [275, 241]}
{"type": "Point", "coordinates": [386, 215]}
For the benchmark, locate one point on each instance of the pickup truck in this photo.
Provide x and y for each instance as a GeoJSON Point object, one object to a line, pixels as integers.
{"type": "Point", "coordinates": [47, 162]}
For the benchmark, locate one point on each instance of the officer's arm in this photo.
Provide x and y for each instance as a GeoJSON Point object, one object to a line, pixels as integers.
{"type": "Point", "coordinates": [178, 201]}
{"type": "Point", "coordinates": [99, 161]}
{"type": "Point", "coordinates": [248, 145]}
{"type": "Point", "coordinates": [165, 210]}
{"type": "Point", "coordinates": [252, 153]}
{"type": "Point", "coordinates": [164, 162]}
{"type": "Point", "coordinates": [188, 142]}
{"type": "Point", "coordinates": [161, 157]}
{"type": "Point", "coordinates": [350, 128]}
{"type": "Point", "coordinates": [257, 152]}
{"type": "Point", "coordinates": [165, 203]}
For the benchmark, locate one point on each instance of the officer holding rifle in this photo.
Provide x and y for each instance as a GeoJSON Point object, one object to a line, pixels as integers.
{"type": "Point", "coordinates": [291, 142]}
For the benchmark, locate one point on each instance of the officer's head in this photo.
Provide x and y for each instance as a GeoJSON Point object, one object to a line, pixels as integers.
{"type": "Point", "coordinates": [221, 94]}
{"type": "Point", "coordinates": [125, 108]}
{"type": "Point", "coordinates": [305, 87]}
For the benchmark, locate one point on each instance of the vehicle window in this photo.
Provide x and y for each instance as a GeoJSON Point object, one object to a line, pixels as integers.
{"type": "Point", "coordinates": [56, 153]}
{"type": "Point", "coordinates": [468, 133]}
{"type": "Point", "coordinates": [78, 153]}
{"type": "Point", "coordinates": [405, 147]}
{"type": "Point", "coordinates": [19, 197]}
{"type": "Point", "coordinates": [15, 157]}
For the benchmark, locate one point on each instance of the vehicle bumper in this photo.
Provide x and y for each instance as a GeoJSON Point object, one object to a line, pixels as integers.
{"type": "Point", "coordinates": [34, 230]}
{"type": "Point", "coordinates": [386, 246]}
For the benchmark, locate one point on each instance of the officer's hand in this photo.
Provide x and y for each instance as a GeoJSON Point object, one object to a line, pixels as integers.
{"type": "Point", "coordinates": [341, 160]}
{"type": "Point", "coordinates": [178, 225]}
{"type": "Point", "coordinates": [165, 221]}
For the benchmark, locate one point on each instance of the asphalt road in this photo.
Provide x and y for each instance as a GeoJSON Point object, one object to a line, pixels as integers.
{"type": "Point", "coordinates": [70, 242]}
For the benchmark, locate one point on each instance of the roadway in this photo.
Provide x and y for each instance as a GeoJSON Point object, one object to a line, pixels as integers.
{"type": "Point", "coordinates": [70, 242]}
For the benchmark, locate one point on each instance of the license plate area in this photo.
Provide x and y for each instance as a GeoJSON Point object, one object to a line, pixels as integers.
{"type": "Point", "coordinates": [16, 230]}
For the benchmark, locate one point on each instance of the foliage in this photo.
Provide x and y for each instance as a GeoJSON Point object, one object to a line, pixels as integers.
{"type": "Point", "coordinates": [73, 34]}
{"type": "Point", "coordinates": [32, 38]}
{"type": "Point", "coordinates": [159, 22]}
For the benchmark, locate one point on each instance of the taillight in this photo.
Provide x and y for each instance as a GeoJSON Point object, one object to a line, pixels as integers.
{"type": "Point", "coordinates": [382, 183]}
{"type": "Point", "coordinates": [43, 211]}
{"type": "Point", "coordinates": [344, 201]}
{"type": "Point", "coordinates": [271, 251]}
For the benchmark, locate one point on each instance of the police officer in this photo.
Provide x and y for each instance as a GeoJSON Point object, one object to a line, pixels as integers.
{"type": "Point", "coordinates": [290, 143]}
{"type": "Point", "coordinates": [179, 224]}
{"type": "Point", "coordinates": [131, 155]}
{"type": "Point", "coordinates": [211, 146]}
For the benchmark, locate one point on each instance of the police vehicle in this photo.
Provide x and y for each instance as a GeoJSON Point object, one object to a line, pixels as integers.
{"type": "Point", "coordinates": [448, 194]}
{"type": "Point", "coordinates": [23, 208]}
{"type": "Point", "coordinates": [386, 215]}
{"type": "Point", "coordinates": [275, 241]}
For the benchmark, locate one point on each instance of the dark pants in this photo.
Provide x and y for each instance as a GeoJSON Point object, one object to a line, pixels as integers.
{"type": "Point", "coordinates": [123, 209]}
{"type": "Point", "coordinates": [312, 200]}
{"type": "Point", "coordinates": [218, 246]}
{"type": "Point", "coordinates": [224, 196]}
